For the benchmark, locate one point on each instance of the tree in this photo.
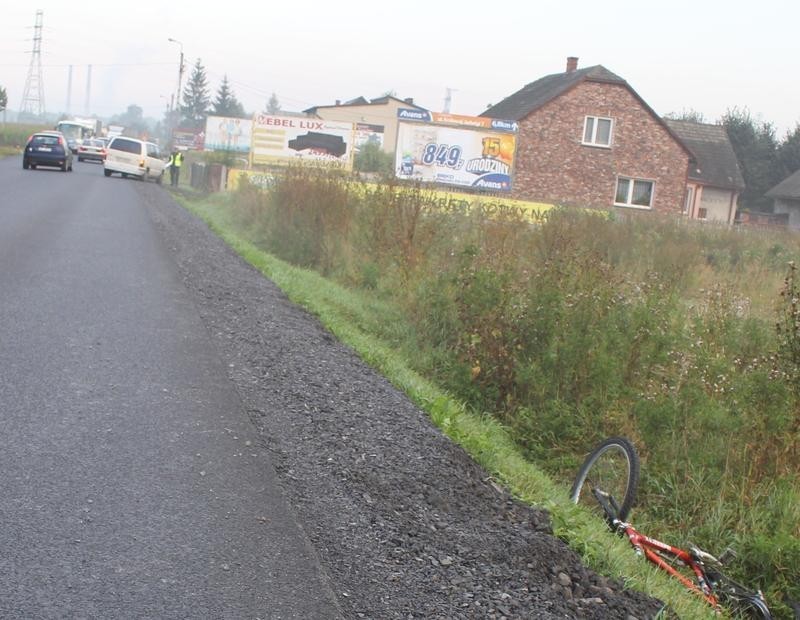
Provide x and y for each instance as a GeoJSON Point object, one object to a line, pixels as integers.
{"type": "Point", "coordinates": [789, 151]}
{"type": "Point", "coordinates": [132, 120]}
{"type": "Point", "coordinates": [372, 158]}
{"type": "Point", "coordinates": [273, 105]}
{"type": "Point", "coordinates": [226, 103]}
{"type": "Point", "coordinates": [756, 149]}
{"type": "Point", "coordinates": [3, 99]}
{"type": "Point", "coordinates": [196, 99]}
{"type": "Point", "coordinates": [686, 115]}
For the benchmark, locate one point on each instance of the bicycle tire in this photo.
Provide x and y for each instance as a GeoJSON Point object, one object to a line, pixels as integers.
{"type": "Point", "coordinates": [752, 607]}
{"type": "Point", "coordinates": [604, 468]}
{"type": "Point", "coordinates": [743, 602]}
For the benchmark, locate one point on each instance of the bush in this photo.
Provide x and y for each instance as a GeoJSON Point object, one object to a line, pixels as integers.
{"type": "Point", "coordinates": [372, 158]}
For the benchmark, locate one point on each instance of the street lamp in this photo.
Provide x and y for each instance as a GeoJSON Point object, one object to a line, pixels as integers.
{"type": "Point", "coordinates": [180, 73]}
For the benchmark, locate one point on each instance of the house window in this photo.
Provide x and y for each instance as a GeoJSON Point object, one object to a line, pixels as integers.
{"type": "Point", "coordinates": [634, 193]}
{"type": "Point", "coordinates": [597, 131]}
{"type": "Point", "coordinates": [702, 213]}
{"type": "Point", "coordinates": [687, 206]}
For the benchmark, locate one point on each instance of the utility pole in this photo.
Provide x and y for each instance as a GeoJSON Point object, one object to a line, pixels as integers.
{"type": "Point", "coordinates": [180, 74]}
{"type": "Point", "coordinates": [174, 113]}
{"type": "Point", "coordinates": [448, 99]}
{"type": "Point", "coordinates": [33, 95]}
{"type": "Point", "coordinates": [69, 91]}
{"type": "Point", "coordinates": [87, 105]}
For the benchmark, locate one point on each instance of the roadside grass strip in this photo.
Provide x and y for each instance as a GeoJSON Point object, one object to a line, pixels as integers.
{"type": "Point", "coordinates": [343, 311]}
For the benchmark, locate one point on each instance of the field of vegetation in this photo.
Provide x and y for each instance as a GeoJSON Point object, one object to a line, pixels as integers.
{"type": "Point", "coordinates": [683, 337]}
{"type": "Point", "coordinates": [13, 136]}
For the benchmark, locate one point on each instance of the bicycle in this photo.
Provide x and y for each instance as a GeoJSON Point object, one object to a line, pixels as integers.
{"type": "Point", "coordinates": [610, 472]}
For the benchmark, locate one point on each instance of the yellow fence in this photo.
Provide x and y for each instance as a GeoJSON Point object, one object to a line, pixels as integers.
{"type": "Point", "coordinates": [456, 202]}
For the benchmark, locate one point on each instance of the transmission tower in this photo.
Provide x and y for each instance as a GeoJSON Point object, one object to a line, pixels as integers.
{"type": "Point", "coordinates": [33, 95]}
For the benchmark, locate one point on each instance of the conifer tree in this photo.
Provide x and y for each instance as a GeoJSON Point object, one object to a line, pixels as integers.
{"type": "Point", "coordinates": [226, 103]}
{"type": "Point", "coordinates": [196, 97]}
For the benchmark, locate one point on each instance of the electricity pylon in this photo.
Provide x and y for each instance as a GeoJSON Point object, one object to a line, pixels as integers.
{"type": "Point", "coordinates": [33, 95]}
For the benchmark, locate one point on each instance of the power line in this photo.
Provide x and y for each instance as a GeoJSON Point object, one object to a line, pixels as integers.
{"type": "Point", "coordinates": [118, 64]}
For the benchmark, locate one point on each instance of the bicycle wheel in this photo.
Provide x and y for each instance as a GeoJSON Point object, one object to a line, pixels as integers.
{"type": "Point", "coordinates": [744, 603]}
{"type": "Point", "coordinates": [611, 471]}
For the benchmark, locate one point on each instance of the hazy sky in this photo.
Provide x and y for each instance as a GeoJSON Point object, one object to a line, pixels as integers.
{"type": "Point", "coordinates": [707, 56]}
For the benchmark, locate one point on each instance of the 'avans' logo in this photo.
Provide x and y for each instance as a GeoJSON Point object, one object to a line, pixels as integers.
{"type": "Point", "coordinates": [414, 115]}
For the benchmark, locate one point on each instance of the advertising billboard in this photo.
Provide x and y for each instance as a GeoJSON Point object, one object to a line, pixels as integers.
{"type": "Point", "coordinates": [288, 139]}
{"type": "Point", "coordinates": [228, 134]}
{"type": "Point", "coordinates": [450, 149]}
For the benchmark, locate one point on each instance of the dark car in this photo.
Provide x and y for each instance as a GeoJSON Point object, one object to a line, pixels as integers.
{"type": "Point", "coordinates": [92, 149]}
{"type": "Point", "coordinates": [47, 148]}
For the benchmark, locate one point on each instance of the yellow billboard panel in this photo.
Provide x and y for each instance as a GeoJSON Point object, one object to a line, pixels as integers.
{"type": "Point", "coordinates": [289, 139]}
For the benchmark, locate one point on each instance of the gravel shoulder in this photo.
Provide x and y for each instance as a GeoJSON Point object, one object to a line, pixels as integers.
{"type": "Point", "coordinates": [405, 524]}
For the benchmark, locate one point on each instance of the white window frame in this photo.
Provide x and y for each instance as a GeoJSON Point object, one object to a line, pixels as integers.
{"type": "Point", "coordinates": [595, 123]}
{"type": "Point", "coordinates": [633, 180]}
{"type": "Point", "coordinates": [689, 202]}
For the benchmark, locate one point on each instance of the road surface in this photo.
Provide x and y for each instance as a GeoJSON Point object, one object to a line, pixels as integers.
{"type": "Point", "coordinates": [133, 482]}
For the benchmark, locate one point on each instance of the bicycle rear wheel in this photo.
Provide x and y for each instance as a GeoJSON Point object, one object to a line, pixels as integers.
{"type": "Point", "coordinates": [755, 608]}
{"type": "Point", "coordinates": [744, 603]}
{"type": "Point", "coordinates": [612, 471]}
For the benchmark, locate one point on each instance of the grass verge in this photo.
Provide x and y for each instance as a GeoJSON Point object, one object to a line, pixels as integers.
{"type": "Point", "coordinates": [343, 312]}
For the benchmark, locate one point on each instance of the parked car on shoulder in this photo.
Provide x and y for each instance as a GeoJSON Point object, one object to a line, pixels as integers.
{"type": "Point", "coordinates": [47, 148]}
{"type": "Point", "coordinates": [135, 158]}
{"type": "Point", "coordinates": [93, 149]}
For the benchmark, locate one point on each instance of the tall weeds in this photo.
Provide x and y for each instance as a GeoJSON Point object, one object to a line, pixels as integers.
{"type": "Point", "coordinates": [582, 326]}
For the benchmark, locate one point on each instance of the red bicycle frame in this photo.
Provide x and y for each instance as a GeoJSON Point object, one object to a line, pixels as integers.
{"type": "Point", "coordinates": [652, 548]}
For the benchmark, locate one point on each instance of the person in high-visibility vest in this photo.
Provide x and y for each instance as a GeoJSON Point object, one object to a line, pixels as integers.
{"type": "Point", "coordinates": [175, 161]}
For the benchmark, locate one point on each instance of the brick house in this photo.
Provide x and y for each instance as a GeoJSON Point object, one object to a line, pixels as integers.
{"type": "Point", "coordinates": [715, 180]}
{"type": "Point", "coordinates": [586, 138]}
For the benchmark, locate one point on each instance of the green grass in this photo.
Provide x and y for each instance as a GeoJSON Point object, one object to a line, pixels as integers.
{"type": "Point", "coordinates": [8, 151]}
{"type": "Point", "coordinates": [16, 134]}
{"type": "Point", "coordinates": [347, 314]}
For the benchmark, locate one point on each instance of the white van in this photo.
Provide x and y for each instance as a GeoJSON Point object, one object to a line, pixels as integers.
{"type": "Point", "coordinates": [136, 158]}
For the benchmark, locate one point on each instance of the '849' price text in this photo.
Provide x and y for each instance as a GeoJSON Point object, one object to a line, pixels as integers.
{"type": "Point", "coordinates": [443, 155]}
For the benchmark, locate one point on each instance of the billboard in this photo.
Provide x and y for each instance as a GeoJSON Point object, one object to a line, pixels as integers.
{"type": "Point", "coordinates": [288, 139]}
{"type": "Point", "coordinates": [463, 151]}
{"type": "Point", "coordinates": [228, 134]}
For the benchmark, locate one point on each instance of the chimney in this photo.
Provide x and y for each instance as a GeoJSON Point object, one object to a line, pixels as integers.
{"type": "Point", "coordinates": [572, 63]}
{"type": "Point", "coordinates": [409, 100]}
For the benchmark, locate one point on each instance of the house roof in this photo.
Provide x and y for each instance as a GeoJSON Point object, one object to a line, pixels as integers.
{"type": "Point", "coordinates": [715, 162]}
{"type": "Point", "coordinates": [541, 92]}
{"type": "Point", "coordinates": [788, 188]}
{"type": "Point", "coordinates": [362, 101]}
{"type": "Point", "coordinates": [536, 94]}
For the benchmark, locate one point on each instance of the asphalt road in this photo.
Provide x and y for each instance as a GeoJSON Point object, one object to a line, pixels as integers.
{"type": "Point", "coordinates": [132, 484]}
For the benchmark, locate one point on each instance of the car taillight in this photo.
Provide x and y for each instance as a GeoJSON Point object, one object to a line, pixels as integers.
{"type": "Point", "coordinates": [60, 142]}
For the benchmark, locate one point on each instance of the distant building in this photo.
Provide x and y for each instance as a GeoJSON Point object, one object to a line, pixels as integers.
{"type": "Point", "coordinates": [715, 180]}
{"type": "Point", "coordinates": [786, 200]}
{"type": "Point", "coordinates": [376, 119]}
{"type": "Point", "coordinates": [586, 138]}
